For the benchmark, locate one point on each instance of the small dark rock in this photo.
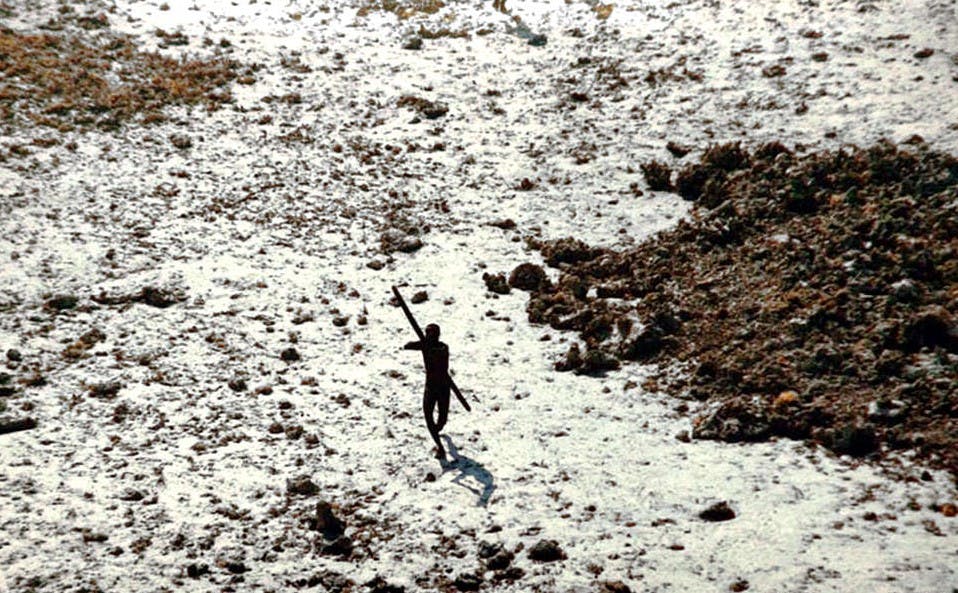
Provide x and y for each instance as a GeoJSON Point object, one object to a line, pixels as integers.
{"type": "Point", "coordinates": [614, 587]}
{"type": "Point", "coordinates": [467, 582]}
{"type": "Point", "coordinates": [328, 524]}
{"type": "Point", "coordinates": [505, 224]}
{"type": "Point", "coordinates": [413, 43]}
{"type": "Point", "coordinates": [496, 283]}
{"type": "Point", "coordinates": [488, 550]}
{"type": "Point", "coordinates": [14, 355]}
{"type": "Point", "coordinates": [195, 571]}
{"type": "Point", "coordinates": [160, 298]}
{"type": "Point", "coordinates": [375, 264]}
{"type": "Point", "coordinates": [302, 486]}
{"type": "Point", "coordinates": [529, 277]}
{"type": "Point", "coordinates": [8, 425]}
{"type": "Point", "coordinates": [379, 585]}
{"type": "Point", "coordinates": [677, 150]}
{"type": "Point", "coordinates": [546, 550]}
{"type": "Point", "coordinates": [719, 511]}
{"type": "Point", "coordinates": [236, 567]}
{"type": "Point", "coordinates": [854, 439]}
{"type": "Point", "coordinates": [931, 327]}
{"type": "Point", "coordinates": [289, 355]}
{"type": "Point", "coordinates": [657, 175]}
{"type": "Point", "coordinates": [419, 297]}
{"type": "Point", "coordinates": [341, 546]}
{"type": "Point", "coordinates": [924, 53]}
{"type": "Point", "coordinates": [500, 560]}
{"type": "Point", "coordinates": [105, 390]}
{"type": "Point", "coordinates": [510, 574]}
{"type": "Point", "coordinates": [62, 302]}
{"type": "Point", "coordinates": [538, 40]}
{"type": "Point", "coordinates": [238, 384]}
{"type": "Point", "coordinates": [181, 141]}
{"type": "Point", "coordinates": [739, 586]}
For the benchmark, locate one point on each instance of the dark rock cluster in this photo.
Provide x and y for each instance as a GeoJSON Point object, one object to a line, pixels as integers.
{"type": "Point", "coordinates": [811, 296]}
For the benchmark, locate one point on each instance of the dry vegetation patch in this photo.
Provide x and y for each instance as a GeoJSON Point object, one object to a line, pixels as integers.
{"type": "Point", "coordinates": [64, 82]}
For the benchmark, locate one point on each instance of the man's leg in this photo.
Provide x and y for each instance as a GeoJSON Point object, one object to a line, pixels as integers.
{"type": "Point", "coordinates": [443, 401]}
{"type": "Point", "coordinates": [428, 406]}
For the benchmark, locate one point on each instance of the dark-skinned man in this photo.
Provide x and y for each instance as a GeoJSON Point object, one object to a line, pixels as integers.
{"type": "Point", "coordinates": [435, 355]}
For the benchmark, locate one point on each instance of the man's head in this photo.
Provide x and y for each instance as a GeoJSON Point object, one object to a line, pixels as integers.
{"type": "Point", "coordinates": [432, 332]}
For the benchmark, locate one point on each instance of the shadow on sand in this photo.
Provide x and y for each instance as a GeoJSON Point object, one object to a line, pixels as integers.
{"type": "Point", "coordinates": [469, 470]}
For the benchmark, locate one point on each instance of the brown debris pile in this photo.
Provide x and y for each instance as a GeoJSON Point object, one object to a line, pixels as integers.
{"type": "Point", "coordinates": [810, 296]}
{"type": "Point", "coordinates": [62, 81]}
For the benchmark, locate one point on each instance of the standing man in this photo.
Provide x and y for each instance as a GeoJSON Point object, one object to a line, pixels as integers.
{"type": "Point", "coordinates": [435, 355]}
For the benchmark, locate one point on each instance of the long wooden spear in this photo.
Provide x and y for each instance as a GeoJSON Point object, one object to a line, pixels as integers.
{"type": "Point", "coordinates": [422, 338]}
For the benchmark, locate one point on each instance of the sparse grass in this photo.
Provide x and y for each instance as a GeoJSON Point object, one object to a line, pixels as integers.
{"type": "Point", "coordinates": [403, 9]}
{"type": "Point", "coordinates": [64, 82]}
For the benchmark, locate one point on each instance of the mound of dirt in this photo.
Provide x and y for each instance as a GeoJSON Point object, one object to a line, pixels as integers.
{"type": "Point", "coordinates": [810, 296]}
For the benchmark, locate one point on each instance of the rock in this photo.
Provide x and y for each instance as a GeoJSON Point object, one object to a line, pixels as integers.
{"type": "Point", "coordinates": [719, 511]}
{"type": "Point", "coordinates": [677, 150]}
{"type": "Point", "coordinates": [513, 573]}
{"type": "Point", "coordinates": [341, 320]}
{"type": "Point", "coordinates": [597, 362]}
{"type": "Point", "coordinates": [856, 440]}
{"type": "Point", "coordinates": [14, 355]}
{"type": "Point", "coordinates": [181, 141]}
{"type": "Point", "coordinates": [657, 175]}
{"type": "Point", "coordinates": [413, 43]}
{"type": "Point", "coordinates": [488, 550]}
{"type": "Point", "coordinates": [160, 298]}
{"type": "Point", "coordinates": [538, 40]}
{"type": "Point", "coordinates": [571, 361]}
{"type": "Point", "coordinates": [568, 250]}
{"type": "Point", "coordinates": [195, 571]}
{"type": "Point", "coordinates": [237, 384]}
{"type": "Point", "coordinates": [132, 495]}
{"type": "Point", "coordinates": [505, 224]}
{"type": "Point", "coordinates": [275, 428]}
{"type": "Point", "coordinates": [341, 546]}
{"type": "Point", "coordinates": [739, 586]}
{"type": "Point", "coordinates": [434, 110]}
{"type": "Point", "coordinates": [328, 524]}
{"type": "Point", "coordinates": [546, 550]}
{"type": "Point", "coordinates": [331, 581]}
{"type": "Point", "coordinates": [289, 355]}
{"type": "Point", "coordinates": [420, 296]}
{"type": "Point", "coordinates": [301, 486]}
{"type": "Point", "coordinates": [84, 343]}
{"type": "Point", "coordinates": [467, 582]}
{"type": "Point", "coordinates": [931, 327]}
{"type": "Point", "coordinates": [496, 283]}
{"type": "Point", "coordinates": [107, 390]}
{"type": "Point", "coordinates": [887, 411]}
{"type": "Point", "coordinates": [61, 302]}
{"type": "Point", "coordinates": [923, 53]}
{"type": "Point", "coordinates": [393, 240]}
{"type": "Point", "coordinates": [773, 71]}
{"type": "Point", "coordinates": [500, 560]}
{"type": "Point", "coordinates": [8, 425]}
{"type": "Point", "coordinates": [529, 277]}
{"type": "Point", "coordinates": [379, 585]}
{"type": "Point", "coordinates": [683, 436]}
{"type": "Point", "coordinates": [235, 567]}
{"type": "Point", "coordinates": [375, 264]}
{"type": "Point", "coordinates": [614, 587]}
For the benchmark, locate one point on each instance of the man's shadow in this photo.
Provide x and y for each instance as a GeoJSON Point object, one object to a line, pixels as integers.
{"type": "Point", "coordinates": [469, 468]}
